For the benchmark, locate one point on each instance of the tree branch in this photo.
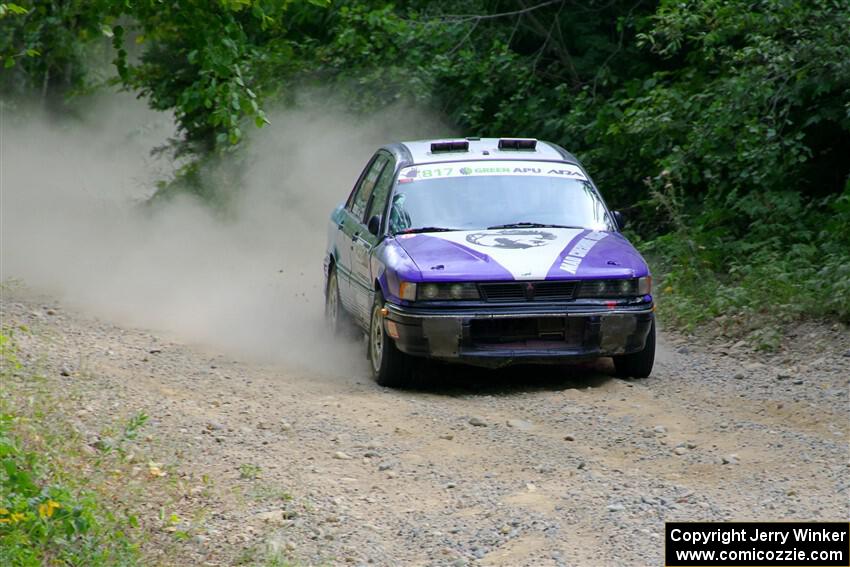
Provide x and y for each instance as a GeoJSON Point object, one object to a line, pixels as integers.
{"type": "Point", "coordinates": [459, 18]}
{"type": "Point", "coordinates": [559, 47]}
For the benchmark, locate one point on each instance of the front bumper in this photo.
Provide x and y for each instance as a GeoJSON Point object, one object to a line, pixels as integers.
{"type": "Point", "coordinates": [500, 336]}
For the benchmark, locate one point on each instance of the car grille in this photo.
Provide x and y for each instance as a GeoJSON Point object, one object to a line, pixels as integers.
{"type": "Point", "coordinates": [527, 291]}
{"type": "Point", "coordinates": [554, 290]}
{"type": "Point", "coordinates": [503, 292]}
{"type": "Point", "coordinates": [527, 332]}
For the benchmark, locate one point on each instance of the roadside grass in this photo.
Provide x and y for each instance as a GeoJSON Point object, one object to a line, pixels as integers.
{"type": "Point", "coordinates": [69, 500]}
{"type": "Point", "coordinates": [249, 471]}
{"type": "Point", "coordinates": [47, 516]}
{"type": "Point", "coordinates": [756, 282]}
{"type": "Point", "coordinates": [755, 298]}
{"type": "Point", "coordinates": [262, 556]}
{"type": "Point", "coordinates": [269, 493]}
{"type": "Point", "coordinates": [96, 498]}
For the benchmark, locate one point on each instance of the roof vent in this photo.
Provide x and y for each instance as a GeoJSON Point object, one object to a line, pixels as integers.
{"type": "Point", "coordinates": [520, 144]}
{"type": "Point", "coordinates": [452, 146]}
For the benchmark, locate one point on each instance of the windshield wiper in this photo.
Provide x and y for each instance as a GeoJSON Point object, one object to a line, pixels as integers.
{"type": "Point", "coordinates": [426, 229]}
{"type": "Point", "coordinates": [530, 225]}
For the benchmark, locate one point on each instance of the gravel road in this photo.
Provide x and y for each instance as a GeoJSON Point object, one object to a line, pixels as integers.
{"type": "Point", "coordinates": [527, 466]}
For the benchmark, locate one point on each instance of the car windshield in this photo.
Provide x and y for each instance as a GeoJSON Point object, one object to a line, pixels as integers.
{"type": "Point", "coordinates": [478, 195]}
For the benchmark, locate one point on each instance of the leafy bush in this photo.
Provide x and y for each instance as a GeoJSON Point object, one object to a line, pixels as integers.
{"type": "Point", "coordinates": [721, 126]}
{"type": "Point", "coordinates": [780, 273]}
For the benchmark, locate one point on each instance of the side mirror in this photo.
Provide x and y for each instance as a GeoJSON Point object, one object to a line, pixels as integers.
{"type": "Point", "coordinates": [619, 219]}
{"type": "Point", "coordinates": [374, 225]}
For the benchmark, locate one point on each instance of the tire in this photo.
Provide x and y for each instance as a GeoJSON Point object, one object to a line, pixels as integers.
{"type": "Point", "coordinates": [390, 367]}
{"type": "Point", "coordinates": [638, 364]}
{"type": "Point", "coordinates": [336, 318]}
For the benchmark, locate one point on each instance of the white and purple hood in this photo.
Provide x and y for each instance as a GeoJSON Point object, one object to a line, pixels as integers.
{"type": "Point", "coordinates": [512, 254]}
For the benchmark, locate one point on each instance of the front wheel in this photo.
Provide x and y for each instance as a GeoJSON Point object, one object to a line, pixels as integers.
{"type": "Point", "coordinates": [390, 366]}
{"type": "Point", "coordinates": [638, 364]}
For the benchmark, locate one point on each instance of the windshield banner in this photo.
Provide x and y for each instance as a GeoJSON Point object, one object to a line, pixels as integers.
{"type": "Point", "coordinates": [485, 168]}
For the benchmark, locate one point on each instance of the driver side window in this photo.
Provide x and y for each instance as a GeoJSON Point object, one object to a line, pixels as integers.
{"type": "Point", "coordinates": [367, 185]}
{"type": "Point", "coordinates": [379, 193]}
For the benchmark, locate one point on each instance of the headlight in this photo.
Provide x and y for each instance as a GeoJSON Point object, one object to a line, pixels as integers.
{"type": "Point", "coordinates": [446, 291]}
{"type": "Point", "coordinates": [615, 288]}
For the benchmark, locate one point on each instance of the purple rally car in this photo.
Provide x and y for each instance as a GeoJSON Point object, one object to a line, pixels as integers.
{"type": "Point", "coordinates": [485, 251]}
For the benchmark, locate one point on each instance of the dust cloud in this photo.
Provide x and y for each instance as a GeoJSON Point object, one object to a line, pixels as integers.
{"type": "Point", "coordinates": [248, 282]}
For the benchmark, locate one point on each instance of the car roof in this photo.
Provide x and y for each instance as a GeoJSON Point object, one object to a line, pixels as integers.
{"type": "Point", "coordinates": [418, 152]}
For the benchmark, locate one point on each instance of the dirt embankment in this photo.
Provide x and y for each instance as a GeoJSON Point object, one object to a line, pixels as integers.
{"type": "Point", "coordinates": [529, 466]}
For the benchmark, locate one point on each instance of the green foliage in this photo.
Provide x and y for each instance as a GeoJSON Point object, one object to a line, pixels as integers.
{"type": "Point", "coordinates": [207, 62]}
{"type": "Point", "coordinates": [44, 46]}
{"type": "Point", "coordinates": [200, 61]}
{"type": "Point", "coordinates": [795, 263]}
{"type": "Point", "coordinates": [492, 70]}
{"type": "Point", "coordinates": [751, 93]}
{"type": "Point", "coordinates": [129, 432]}
{"type": "Point", "coordinates": [722, 127]}
{"type": "Point", "coordinates": [725, 96]}
{"type": "Point", "coordinates": [260, 556]}
{"type": "Point", "coordinates": [11, 9]}
{"type": "Point", "coordinates": [45, 521]}
{"type": "Point", "coordinates": [249, 471]}
{"type": "Point", "coordinates": [8, 351]}
{"type": "Point", "coordinates": [211, 63]}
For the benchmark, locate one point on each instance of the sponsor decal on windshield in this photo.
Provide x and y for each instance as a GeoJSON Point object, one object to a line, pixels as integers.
{"type": "Point", "coordinates": [484, 168]}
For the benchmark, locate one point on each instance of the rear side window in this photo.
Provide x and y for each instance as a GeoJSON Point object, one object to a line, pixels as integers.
{"type": "Point", "coordinates": [367, 185]}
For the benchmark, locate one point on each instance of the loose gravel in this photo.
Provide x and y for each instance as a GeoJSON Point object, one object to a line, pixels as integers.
{"type": "Point", "coordinates": [562, 465]}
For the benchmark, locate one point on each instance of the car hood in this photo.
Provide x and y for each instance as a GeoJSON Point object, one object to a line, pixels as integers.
{"type": "Point", "coordinates": [522, 254]}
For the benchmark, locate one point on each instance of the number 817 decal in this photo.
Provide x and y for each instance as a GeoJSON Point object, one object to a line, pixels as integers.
{"type": "Point", "coordinates": [477, 168]}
